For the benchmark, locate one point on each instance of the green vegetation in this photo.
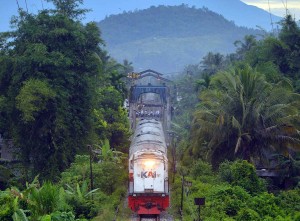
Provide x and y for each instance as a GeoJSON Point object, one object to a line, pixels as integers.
{"type": "Point", "coordinates": [255, 114]}
{"type": "Point", "coordinates": [233, 193]}
{"type": "Point", "coordinates": [70, 199]}
{"type": "Point", "coordinates": [241, 105]}
{"type": "Point", "coordinates": [237, 113]}
{"type": "Point", "coordinates": [61, 103]}
{"type": "Point", "coordinates": [61, 99]}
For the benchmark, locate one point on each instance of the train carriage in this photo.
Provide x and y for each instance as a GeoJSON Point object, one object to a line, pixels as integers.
{"type": "Point", "coordinates": [148, 169]}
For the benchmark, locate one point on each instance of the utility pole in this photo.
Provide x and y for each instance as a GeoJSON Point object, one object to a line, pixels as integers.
{"type": "Point", "coordinates": [173, 137]}
{"type": "Point", "coordinates": [181, 202]}
{"type": "Point", "coordinates": [174, 158]}
{"type": "Point", "coordinates": [183, 173]}
{"type": "Point", "coordinates": [91, 168]}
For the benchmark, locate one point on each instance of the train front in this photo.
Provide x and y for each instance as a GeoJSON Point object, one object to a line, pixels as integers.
{"type": "Point", "coordinates": [148, 175]}
{"type": "Point", "coordinates": [148, 186]}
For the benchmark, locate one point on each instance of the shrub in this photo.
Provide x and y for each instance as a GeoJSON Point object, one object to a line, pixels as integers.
{"type": "Point", "coordinates": [289, 201]}
{"type": "Point", "coordinates": [6, 206]}
{"type": "Point", "coordinates": [202, 171]}
{"type": "Point", "coordinates": [241, 173]}
{"type": "Point", "coordinates": [44, 200]}
{"type": "Point", "coordinates": [109, 177]}
{"type": "Point", "coordinates": [62, 216]}
{"type": "Point", "coordinates": [201, 168]}
{"type": "Point", "coordinates": [229, 200]}
{"type": "Point", "coordinates": [266, 205]}
{"type": "Point", "coordinates": [247, 214]}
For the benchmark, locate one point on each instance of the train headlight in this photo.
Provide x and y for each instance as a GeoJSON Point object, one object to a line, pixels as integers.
{"type": "Point", "coordinates": [134, 194]}
{"type": "Point", "coordinates": [149, 163]}
{"type": "Point", "coordinates": [163, 195]}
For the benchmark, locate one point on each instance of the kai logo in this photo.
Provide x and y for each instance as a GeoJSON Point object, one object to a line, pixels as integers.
{"type": "Point", "coordinates": [148, 174]}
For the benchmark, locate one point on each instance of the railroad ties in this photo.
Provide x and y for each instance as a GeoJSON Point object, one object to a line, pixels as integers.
{"type": "Point", "coordinates": [163, 217]}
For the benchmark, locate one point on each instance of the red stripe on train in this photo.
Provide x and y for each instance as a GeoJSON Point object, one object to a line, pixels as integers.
{"type": "Point", "coordinates": [148, 204]}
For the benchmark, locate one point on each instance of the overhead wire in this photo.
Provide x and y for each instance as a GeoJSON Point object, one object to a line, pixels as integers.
{"type": "Point", "coordinates": [271, 16]}
{"type": "Point", "coordinates": [42, 4]}
{"type": "Point", "coordinates": [285, 6]}
{"type": "Point", "coordinates": [18, 5]}
{"type": "Point", "coordinates": [26, 6]}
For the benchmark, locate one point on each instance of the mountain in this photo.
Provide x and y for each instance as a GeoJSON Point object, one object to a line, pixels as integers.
{"type": "Point", "coordinates": [167, 38]}
{"type": "Point", "coordinates": [241, 13]}
{"type": "Point", "coordinates": [233, 10]}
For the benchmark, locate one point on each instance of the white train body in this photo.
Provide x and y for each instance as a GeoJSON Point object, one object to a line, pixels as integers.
{"type": "Point", "coordinates": [148, 168]}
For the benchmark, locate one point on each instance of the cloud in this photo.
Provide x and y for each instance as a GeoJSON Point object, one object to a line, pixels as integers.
{"type": "Point", "coordinates": [278, 7]}
{"type": "Point", "coordinates": [274, 3]}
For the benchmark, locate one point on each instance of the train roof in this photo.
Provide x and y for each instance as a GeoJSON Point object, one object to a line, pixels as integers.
{"type": "Point", "coordinates": [148, 136]}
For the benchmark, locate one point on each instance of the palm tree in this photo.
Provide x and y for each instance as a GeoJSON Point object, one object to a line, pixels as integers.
{"type": "Point", "coordinates": [244, 46]}
{"type": "Point", "coordinates": [127, 65]}
{"type": "Point", "coordinates": [244, 116]}
{"type": "Point", "coordinates": [212, 63]}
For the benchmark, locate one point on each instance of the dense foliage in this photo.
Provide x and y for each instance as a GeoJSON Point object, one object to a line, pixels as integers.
{"type": "Point", "coordinates": [244, 105]}
{"type": "Point", "coordinates": [48, 88]}
{"type": "Point", "coordinates": [248, 106]}
{"type": "Point", "coordinates": [233, 193]}
{"type": "Point", "coordinates": [61, 95]}
{"type": "Point", "coordinates": [56, 91]}
{"type": "Point", "coordinates": [257, 116]}
{"type": "Point", "coordinates": [71, 199]}
{"type": "Point", "coordinates": [61, 98]}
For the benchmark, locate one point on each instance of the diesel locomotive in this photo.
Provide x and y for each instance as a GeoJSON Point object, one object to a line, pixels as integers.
{"type": "Point", "coordinates": [148, 170]}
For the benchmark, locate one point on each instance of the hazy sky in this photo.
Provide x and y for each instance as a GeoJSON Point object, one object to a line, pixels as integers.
{"type": "Point", "coordinates": [9, 8]}
{"type": "Point", "coordinates": [278, 7]}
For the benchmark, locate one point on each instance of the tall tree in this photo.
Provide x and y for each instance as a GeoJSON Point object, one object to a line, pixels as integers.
{"type": "Point", "coordinates": [290, 36]}
{"type": "Point", "coordinates": [244, 46]}
{"type": "Point", "coordinates": [212, 63]}
{"type": "Point", "coordinates": [69, 8]}
{"type": "Point", "coordinates": [244, 116]}
{"type": "Point", "coordinates": [48, 80]}
{"type": "Point", "coordinates": [282, 51]}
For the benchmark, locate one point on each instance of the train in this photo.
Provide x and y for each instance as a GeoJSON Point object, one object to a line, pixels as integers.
{"type": "Point", "coordinates": [148, 189]}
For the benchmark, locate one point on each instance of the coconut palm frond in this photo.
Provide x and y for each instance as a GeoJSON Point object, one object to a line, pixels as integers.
{"type": "Point", "coordinates": [270, 129]}
{"type": "Point", "coordinates": [235, 123]}
{"type": "Point", "coordinates": [19, 215]}
{"type": "Point", "coordinates": [220, 120]}
{"type": "Point", "coordinates": [281, 128]}
{"type": "Point", "coordinates": [288, 139]}
{"type": "Point", "coordinates": [264, 114]}
{"type": "Point", "coordinates": [238, 145]}
{"type": "Point", "coordinates": [69, 189]}
{"type": "Point", "coordinates": [286, 83]}
{"type": "Point", "coordinates": [289, 129]}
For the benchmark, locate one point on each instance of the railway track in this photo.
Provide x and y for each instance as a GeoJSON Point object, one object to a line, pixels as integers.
{"type": "Point", "coordinates": [163, 217]}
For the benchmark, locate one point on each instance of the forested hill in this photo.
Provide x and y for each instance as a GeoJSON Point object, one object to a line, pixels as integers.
{"type": "Point", "coordinates": [165, 21]}
{"type": "Point", "coordinates": [169, 37]}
